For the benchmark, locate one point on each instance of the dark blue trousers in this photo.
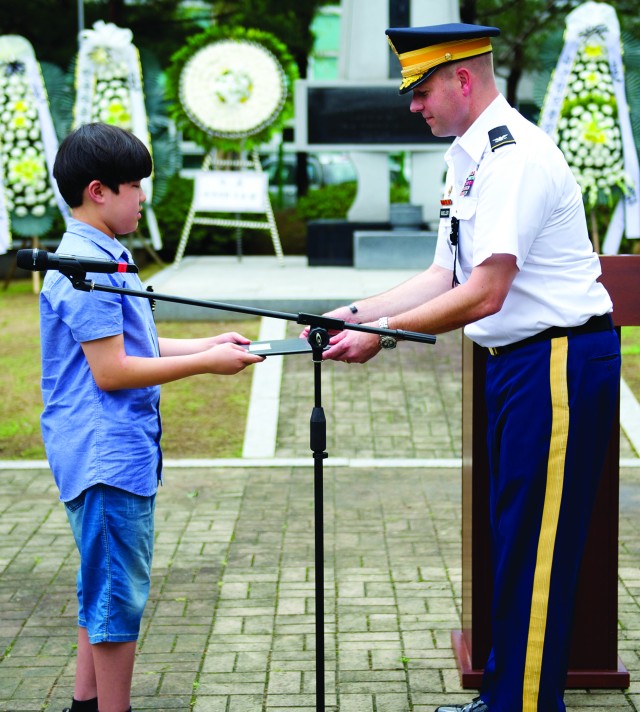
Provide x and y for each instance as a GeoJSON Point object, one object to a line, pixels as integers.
{"type": "Point", "coordinates": [550, 405]}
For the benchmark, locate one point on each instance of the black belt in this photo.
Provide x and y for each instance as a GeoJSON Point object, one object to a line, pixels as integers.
{"type": "Point", "coordinates": [596, 323]}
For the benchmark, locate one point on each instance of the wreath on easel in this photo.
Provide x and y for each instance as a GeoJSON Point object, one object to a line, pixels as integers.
{"type": "Point", "coordinates": [231, 88]}
{"type": "Point", "coordinates": [592, 119]}
{"type": "Point", "coordinates": [28, 193]}
{"type": "Point", "coordinates": [109, 88]}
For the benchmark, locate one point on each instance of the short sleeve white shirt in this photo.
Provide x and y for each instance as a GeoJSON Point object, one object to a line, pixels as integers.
{"type": "Point", "coordinates": [521, 199]}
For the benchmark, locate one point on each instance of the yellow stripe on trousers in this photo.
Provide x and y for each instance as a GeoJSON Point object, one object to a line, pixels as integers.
{"type": "Point", "coordinates": [550, 514]}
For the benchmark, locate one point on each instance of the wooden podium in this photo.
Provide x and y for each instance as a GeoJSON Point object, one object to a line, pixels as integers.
{"type": "Point", "coordinates": [593, 661]}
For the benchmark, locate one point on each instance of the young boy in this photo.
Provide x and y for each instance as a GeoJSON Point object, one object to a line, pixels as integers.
{"type": "Point", "coordinates": [102, 365]}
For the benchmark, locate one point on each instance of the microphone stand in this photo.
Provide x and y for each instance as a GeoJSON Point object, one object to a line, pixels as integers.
{"type": "Point", "coordinates": [318, 339]}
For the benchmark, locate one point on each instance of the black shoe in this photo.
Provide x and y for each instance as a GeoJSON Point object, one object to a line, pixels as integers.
{"type": "Point", "coordinates": [85, 706]}
{"type": "Point", "coordinates": [476, 705]}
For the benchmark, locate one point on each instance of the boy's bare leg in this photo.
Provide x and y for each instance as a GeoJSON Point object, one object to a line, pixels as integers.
{"type": "Point", "coordinates": [86, 687]}
{"type": "Point", "coordinates": [113, 664]}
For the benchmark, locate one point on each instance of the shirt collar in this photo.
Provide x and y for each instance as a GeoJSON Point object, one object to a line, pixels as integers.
{"type": "Point", "coordinates": [116, 250]}
{"type": "Point", "coordinates": [475, 139]}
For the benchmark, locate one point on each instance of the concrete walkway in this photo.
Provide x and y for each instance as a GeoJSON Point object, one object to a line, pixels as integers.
{"type": "Point", "coordinates": [230, 622]}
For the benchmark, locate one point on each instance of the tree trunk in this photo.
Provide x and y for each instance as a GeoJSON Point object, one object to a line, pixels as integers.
{"type": "Point", "coordinates": [512, 85]}
{"type": "Point", "coordinates": [115, 12]}
{"type": "Point", "coordinates": [468, 11]}
{"type": "Point", "coordinates": [515, 72]}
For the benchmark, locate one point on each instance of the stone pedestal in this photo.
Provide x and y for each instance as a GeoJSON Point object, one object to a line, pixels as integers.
{"type": "Point", "coordinates": [394, 249]}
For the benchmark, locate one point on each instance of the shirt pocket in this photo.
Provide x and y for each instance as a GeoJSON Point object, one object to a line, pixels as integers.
{"type": "Point", "coordinates": [465, 208]}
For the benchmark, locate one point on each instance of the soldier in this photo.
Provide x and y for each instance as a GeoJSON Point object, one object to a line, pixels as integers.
{"type": "Point", "coordinates": [515, 268]}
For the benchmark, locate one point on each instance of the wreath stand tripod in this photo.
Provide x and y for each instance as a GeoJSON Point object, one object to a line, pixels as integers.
{"type": "Point", "coordinates": [232, 171]}
{"type": "Point", "coordinates": [318, 339]}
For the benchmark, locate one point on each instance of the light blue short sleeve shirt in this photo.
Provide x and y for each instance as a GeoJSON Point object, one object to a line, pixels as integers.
{"type": "Point", "coordinates": [93, 436]}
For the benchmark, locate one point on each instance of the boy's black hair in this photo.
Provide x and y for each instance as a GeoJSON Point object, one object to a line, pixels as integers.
{"type": "Point", "coordinates": [99, 152]}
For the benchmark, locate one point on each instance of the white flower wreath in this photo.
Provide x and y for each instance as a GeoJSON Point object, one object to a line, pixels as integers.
{"type": "Point", "coordinates": [232, 88]}
{"type": "Point", "coordinates": [588, 131]}
{"type": "Point", "coordinates": [109, 80]}
{"type": "Point", "coordinates": [25, 177]}
{"type": "Point", "coordinates": [109, 89]}
{"type": "Point", "coordinates": [587, 111]}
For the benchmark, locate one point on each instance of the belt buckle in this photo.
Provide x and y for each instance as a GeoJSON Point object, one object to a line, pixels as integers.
{"type": "Point", "coordinates": [494, 351]}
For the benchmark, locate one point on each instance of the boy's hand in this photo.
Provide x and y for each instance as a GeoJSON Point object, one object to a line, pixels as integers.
{"type": "Point", "coordinates": [230, 337]}
{"type": "Point", "coordinates": [229, 358]}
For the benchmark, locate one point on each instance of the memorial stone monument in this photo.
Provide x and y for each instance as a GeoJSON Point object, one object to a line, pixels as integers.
{"type": "Point", "coordinates": [362, 114]}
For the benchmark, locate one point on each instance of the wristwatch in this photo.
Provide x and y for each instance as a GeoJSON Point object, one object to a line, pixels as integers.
{"type": "Point", "coordinates": [386, 341]}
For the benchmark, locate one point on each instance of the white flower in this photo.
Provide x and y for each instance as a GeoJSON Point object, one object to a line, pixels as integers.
{"type": "Point", "coordinates": [588, 133]}
{"type": "Point", "coordinates": [22, 161]}
{"type": "Point", "coordinates": [111, 102]}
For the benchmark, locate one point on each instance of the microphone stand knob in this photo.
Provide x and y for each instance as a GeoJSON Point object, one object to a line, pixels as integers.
{"type": "Point", "coordinates": [318, 338]}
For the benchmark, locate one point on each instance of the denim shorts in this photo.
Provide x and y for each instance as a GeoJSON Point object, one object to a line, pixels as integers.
{"type": "Point", "coordinates": [113, 530]}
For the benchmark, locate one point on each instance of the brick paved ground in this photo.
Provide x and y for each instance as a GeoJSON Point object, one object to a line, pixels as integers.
{"type": "Point", "coordinates": [230, 622]}
{"type": "Point", "coordinates": [404, 403]}
{"type": "Point", "coordinates": [229, 626]}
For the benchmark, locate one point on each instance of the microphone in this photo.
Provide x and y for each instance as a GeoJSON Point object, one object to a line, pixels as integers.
{"type": "Point", "coordinates": [38, 260]}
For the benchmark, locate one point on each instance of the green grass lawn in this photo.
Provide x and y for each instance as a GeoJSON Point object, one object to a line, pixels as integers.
{"type": "Point", "coordinates": [631, 358]}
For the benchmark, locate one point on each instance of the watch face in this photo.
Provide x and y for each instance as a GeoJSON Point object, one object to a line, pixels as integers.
{"type": "Point", "coordinates": [388, 342]}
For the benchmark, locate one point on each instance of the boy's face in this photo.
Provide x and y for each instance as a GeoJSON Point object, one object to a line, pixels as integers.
{"type": "Point", "coordinates": [121, 211]}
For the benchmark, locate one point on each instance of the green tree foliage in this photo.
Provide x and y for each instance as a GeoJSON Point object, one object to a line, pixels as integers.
{"type": "Point", "coordinates": [161, 26]}
{"type": "Point", "coordinates": [526, 26]}
{"type": "Point", "coordinates": [288, 20]}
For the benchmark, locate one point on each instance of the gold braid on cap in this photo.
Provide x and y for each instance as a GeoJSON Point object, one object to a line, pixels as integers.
{"type": "Point", "coordinates": [418, 62]}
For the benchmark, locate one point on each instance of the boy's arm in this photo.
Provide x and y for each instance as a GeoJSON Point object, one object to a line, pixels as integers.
{"type": "Point", "coordinates": [181, 347]}
{"type": "Point", "coordinates": [113, 369]}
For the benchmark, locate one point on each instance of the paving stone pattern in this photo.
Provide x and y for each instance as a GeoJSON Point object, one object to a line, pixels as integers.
{"type": "Point", "coordinates": [230, 622]}
{"type": "Point", "coordinates": [403, 403]}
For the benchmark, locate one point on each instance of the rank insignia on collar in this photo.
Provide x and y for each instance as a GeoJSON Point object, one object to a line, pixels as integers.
{"type": "Point", "coordinates": [500, 136]}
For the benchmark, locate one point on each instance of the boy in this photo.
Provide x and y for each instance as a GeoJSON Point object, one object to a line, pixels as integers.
{"type": "Point", "coordinates": [102, 365]}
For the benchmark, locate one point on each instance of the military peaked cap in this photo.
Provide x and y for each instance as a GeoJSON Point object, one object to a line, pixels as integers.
{"type": "Point", "coordinates": [421, 50]}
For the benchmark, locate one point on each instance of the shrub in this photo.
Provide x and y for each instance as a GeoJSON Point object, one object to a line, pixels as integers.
{"type": "Point", "coordinates": [334, 201]}
{"type": "Point", "coordinates": [331, 201]}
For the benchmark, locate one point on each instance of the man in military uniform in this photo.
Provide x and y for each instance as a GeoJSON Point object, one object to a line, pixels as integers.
{"type": "Point", "coordinates": [515, 268]}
